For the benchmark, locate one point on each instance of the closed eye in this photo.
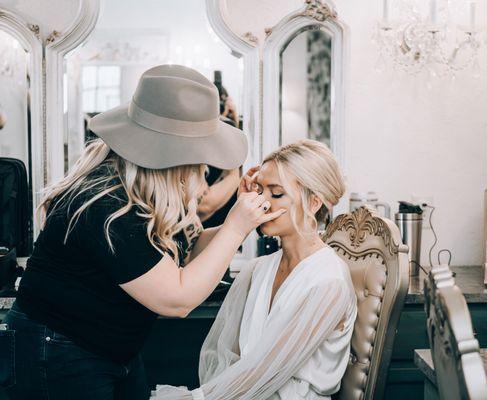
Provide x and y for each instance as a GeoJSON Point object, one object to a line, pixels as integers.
{"type": "Point", "coordinates": [277, 196]}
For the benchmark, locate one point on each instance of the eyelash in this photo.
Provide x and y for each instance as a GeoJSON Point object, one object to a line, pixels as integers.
{"type": "Point", "coordinates": [277, 196]}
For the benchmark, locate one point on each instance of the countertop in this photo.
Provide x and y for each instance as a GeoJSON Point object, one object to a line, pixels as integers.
{"type": "Point", "coordinates": [470, 279]}
{"type": "Point", "coordinates": [424, 361]}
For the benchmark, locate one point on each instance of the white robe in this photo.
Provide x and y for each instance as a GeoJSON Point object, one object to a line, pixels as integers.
{"type": "Point", "coordinates": [299, 350]}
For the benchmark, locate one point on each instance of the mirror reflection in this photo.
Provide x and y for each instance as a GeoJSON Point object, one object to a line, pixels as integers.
{"type": "Point", "coordinates": [15, 147]}
{"type": "Point", "coordinates": [131, 37]}
{"type": "Point", "coordinates": [305, 89]}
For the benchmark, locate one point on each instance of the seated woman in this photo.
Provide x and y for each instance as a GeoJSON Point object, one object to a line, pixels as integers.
{"type": "Point", "coordinates": [284, 329]}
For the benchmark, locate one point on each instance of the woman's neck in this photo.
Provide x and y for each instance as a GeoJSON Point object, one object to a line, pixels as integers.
{"type": "Point", "coordinates": [296, 248]}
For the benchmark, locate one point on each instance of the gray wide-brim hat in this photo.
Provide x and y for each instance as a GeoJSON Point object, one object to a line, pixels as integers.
{"type": "Point", "coordinates": [173, 119]}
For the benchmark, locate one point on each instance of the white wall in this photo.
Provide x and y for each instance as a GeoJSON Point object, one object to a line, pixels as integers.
{"type": "Point", "coordinates": [403, 138]}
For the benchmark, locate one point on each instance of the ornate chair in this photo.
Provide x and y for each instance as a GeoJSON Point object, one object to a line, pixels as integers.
{"type": "Point", "coordinates": [378, 261]}
{"type": "Point", "coordinates": [459, 369]}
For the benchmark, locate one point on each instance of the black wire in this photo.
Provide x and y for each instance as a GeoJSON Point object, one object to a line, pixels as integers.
{"type": "Point", "coordinates": [432, 230]}
{"type": "Point", "coordinates": [420, 266]}
{"type": "Point", "coordinates": [436, 240]}
{"type": "Point", "coordinates": [426, 271]}
{"type": "Point", "coordinates": [433, 245]}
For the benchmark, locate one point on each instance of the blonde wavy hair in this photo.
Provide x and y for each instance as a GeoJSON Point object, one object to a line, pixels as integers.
{"type": "Point", "coordinates": [166, 198]}
{"type": "Point", "coordinates": [316, 170]}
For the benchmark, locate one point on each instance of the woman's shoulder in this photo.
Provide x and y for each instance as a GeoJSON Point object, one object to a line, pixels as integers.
{"type": "Point", "coordinates": [334, 270]}
{"type": "Point", "coordinates": [329, 266]}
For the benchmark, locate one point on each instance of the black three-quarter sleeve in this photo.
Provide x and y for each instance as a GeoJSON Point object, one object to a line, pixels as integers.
{"type": "Point", "coordinates": [133, 253]}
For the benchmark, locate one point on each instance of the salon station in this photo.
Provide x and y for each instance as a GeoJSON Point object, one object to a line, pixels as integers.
{"type": "Point", "coordinates": [395, 88]}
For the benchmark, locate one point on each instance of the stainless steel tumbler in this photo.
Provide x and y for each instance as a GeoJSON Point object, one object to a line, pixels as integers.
{"type": "Point", "coordinates": [410, 225]}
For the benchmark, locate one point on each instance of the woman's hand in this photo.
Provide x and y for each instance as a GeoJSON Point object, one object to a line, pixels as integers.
{"type": "Point", "coordinates": [249, 212]}
{"type": "Point", "coordinates": [248, 181]}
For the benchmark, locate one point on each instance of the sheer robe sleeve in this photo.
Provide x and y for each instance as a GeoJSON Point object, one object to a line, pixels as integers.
{"type": "Point", "coordinates": [221, 346]}
{"type": "Point", "coordinates": [289, 340]}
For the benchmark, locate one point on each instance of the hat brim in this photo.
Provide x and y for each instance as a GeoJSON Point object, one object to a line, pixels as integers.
{"type": "Point", "coordinates": [225, 149]}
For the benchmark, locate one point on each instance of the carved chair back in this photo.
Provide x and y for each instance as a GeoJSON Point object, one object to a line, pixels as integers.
{"type": "Point", "coordinates": [459, 369]}
{"type": "Point", "coordinates": [378, 261]}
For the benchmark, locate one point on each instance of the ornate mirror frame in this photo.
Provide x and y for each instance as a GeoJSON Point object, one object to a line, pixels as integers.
{"type": "Point", "coordinates": [57, 46]}
{"type": "Point", "coordinates": [314, 15]}
{"type": "Point", "coordinates": [247, 49]}
{"type": "Point", "coordinates": [28, 36]}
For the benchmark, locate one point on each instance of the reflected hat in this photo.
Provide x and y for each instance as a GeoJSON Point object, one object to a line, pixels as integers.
{"type": "Point", "coordinates": [173, 119]}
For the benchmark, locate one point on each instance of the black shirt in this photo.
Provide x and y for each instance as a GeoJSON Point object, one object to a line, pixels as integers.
{"type": "Point", "coordinates": [73, 288]}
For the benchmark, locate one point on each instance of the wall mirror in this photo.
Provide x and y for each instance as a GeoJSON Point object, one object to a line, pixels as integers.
{"type": "Point", "coordinates": [129, 38]}
{"type": "Point", "coordinates": [15, 118]}
{"type": "Point", "coordinates": [15, 134]}
{"type": "Point", "coordinates": [305, 83]}
{"type": "Point", "coordinates": [303, 67]}
{"type": "Point", "coordinates": [21, 136]}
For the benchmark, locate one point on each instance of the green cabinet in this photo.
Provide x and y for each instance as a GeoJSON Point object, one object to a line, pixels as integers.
{"type": "Point", "coordinates": [405, 380]}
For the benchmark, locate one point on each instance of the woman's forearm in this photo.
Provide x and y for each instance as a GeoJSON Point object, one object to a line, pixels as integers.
{"type": "Point", "coordinates": [203, 240]}
{"type": "Point", "coordinates": [205, 271]}
{"type": "Point", "coordinates": [218, 195]}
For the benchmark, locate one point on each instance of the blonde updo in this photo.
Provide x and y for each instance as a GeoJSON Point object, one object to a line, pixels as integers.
{"type": "Point", "coordinates": [316, 170]}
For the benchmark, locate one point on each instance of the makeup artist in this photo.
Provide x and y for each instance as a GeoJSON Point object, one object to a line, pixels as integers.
{"type": "Point", "coordinates": [107, 259]}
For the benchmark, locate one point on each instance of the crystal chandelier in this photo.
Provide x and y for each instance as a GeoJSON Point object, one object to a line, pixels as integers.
{"type": "Point", "coordinates": [420, 36]}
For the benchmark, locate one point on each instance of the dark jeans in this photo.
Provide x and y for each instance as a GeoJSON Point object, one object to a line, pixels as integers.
{"type": "Point", "coordinates": [49, 366]}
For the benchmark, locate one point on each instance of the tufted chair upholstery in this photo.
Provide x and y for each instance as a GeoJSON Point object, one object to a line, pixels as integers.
{"type": "Point", "coordinates": [459, 369]}
{"type": "Point", "coordinates": [378, 261]}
